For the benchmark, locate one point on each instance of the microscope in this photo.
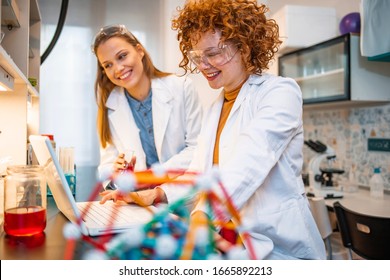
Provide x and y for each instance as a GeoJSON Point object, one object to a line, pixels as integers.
{"type": "Point", "coordinates": [321, 179]}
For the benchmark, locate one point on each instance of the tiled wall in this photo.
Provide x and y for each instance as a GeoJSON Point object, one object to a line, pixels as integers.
{"type": "Point", "coordinates": [347, 131]}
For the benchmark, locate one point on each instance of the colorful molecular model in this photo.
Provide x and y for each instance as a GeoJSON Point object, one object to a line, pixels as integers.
{"type": "Point", "coordinates": [171, 234]}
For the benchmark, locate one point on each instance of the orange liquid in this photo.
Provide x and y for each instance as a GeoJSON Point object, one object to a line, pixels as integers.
{"type": "Point", "coordinates": [24, 221]}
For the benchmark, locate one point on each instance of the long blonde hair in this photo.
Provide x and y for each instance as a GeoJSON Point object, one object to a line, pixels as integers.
{"type": "Point", "coordinates": [103, 85]}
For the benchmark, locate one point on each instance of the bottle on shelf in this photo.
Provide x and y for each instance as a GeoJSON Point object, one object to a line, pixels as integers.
{"type": "Point", "coordinates": [376, 184]}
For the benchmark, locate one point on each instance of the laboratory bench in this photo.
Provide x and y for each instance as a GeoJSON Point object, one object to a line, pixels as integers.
{"type": "Point", "coordinates": [51, 245]}
{"type": "Point", "coordinates": [362, 202]}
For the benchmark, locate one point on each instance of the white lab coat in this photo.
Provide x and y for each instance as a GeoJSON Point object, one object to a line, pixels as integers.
{"type": "Point", "coordinates": [260, 161]}
{"type": "Point", "coordinates": [176, 113]}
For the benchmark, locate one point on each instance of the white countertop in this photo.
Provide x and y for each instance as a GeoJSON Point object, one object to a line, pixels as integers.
{"type": "Point", "coordinates": [362, 202]}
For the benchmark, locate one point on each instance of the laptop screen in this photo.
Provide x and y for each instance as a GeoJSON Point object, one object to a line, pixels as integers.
{"type": "Point", "coordinates": [55, 176]}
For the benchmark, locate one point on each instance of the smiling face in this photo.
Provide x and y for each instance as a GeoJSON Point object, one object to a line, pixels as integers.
{"type": "Point", "coordinates": [122, 63]}
{"type": "Point", "coordinates": [229, 75]}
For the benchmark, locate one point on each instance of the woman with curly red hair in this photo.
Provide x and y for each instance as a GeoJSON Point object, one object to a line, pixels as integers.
{"type": "Point", "coordinates": [253, 133]}
{"type": "Point", "coordinates": [255, 126]}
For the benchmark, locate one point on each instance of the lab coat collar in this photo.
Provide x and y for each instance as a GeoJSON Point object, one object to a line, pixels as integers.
{"type": "Point", "coordinates": [114, 100]}
{"type": "Point", "coordinates": [160, 93]}
{"type": "Point", "coordinates": [162, 109]}
{"type": "Point", "coordinates": [123, 120]}
{"type": "Point", "coordinates": [245, 91]}
{"type": "Point", "coordinates": [241, 95]}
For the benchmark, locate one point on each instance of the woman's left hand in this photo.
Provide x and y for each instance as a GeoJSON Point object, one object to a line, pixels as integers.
{"type": "Point", "coordinates": [143, 198]}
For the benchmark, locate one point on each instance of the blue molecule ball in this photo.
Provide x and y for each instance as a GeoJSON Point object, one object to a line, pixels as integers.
{"type": "Point", "coordinates": [350, 23]}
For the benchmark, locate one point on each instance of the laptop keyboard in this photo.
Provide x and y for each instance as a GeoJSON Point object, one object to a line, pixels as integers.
{"type": "Point", "coordinates": [108, 213]}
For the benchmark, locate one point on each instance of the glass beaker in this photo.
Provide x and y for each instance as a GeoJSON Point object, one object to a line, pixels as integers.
{"type": "Point", "coordinates": [24, 200]}
{"type": "Point", "coordinates": [66, 158]}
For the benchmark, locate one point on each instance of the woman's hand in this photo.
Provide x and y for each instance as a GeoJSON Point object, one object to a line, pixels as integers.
{"type": "Point", "coordinates": [121, 164]}
{"type": "Point", "coordinates": [143, 198]}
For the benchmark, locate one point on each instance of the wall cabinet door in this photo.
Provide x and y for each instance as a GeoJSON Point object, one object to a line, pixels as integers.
{"type": "Point", "coordinates": [334, 71]}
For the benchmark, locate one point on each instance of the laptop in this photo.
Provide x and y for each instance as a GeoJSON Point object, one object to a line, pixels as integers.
{"type": "Point", "coordinates": [100, 218]}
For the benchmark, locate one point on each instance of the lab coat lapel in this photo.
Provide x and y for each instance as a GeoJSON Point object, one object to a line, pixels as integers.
{"type": "Point", "coordinates": [245, 91]}
{"type": "Point", "coordinates": [122, 122]}
{"type": "Point", "coordinates": [161, 111]}
{"type": "Point", "coordinates": [210, 125]}
{"type": "Point", "coordinates": [227, 144]}
{"type": "Point", "coordinates": [239, 100]}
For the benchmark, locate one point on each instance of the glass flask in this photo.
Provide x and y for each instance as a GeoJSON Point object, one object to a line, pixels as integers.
{"type": "Point", "coordinates": [24, 200]}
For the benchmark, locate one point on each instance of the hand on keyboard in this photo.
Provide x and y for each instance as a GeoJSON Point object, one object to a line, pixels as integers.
{"type": "Point", "coordinates": [143, 198]}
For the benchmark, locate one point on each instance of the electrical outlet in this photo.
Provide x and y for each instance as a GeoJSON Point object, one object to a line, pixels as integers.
{"type": "Point", "coordinates": [378, 144]}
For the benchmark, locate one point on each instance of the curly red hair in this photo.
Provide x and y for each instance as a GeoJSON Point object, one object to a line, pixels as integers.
{"type": "Point", "coordinates": [240, 21]}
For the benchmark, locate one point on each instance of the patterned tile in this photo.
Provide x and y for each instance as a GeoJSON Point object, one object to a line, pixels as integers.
{"type": "Point", "coordinates": [347, 131]}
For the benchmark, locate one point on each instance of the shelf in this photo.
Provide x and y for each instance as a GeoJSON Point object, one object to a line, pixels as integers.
{"type": "Point", "coordinates": [35, 14]}
{"type": "Point", "coordinates": [30, 53]}
{"type": "Point", "coordinates": [10, 14]}
{"type": "Point", "coordinates": [311, 86]}
{"type": "Point", "coordinates": [19, 57]}
{"type": "Point", "coordinates": [19, 78]}
{"type": "Point", "coordinates": [383, 57]}
{"type": "Point", "coordinates": [320, 75]}
{"type": "Point", "coordinates": [348, 104]}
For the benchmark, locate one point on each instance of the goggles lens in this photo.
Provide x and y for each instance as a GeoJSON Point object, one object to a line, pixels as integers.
{"type": "Point", "coordinates": [109, 31]}
{"type": "Point", "coordinates": [213, 56]}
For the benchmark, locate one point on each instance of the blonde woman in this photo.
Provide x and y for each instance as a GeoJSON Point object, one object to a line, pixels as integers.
{"type": "Point", "coordinates": [140, 108]}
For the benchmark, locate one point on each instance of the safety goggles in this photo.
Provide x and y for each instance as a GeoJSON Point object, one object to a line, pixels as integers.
{"type": "Point", "coordinates": [213, 56]}
{"type": "Point", "coordinates": [110, 31]}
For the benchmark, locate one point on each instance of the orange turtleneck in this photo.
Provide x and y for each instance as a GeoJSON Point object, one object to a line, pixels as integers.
{"type": "Point", "coordinates": [230, 97]}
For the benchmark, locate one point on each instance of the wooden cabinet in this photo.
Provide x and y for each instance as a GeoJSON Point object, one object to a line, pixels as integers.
{"type": "Point", "coordinates": [20, 58]}
{"type": "Point", "coordinates": [334, 73]}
